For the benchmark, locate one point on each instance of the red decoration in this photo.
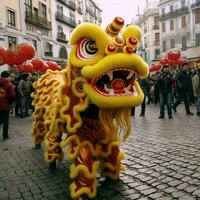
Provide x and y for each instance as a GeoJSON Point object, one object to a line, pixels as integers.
{"type": "Point", "coordinates": [27, 51]}
{"type": "Point", "coordinates": [155, 68]}
{"type": "Point", "coordinates": [174, 54]}
{"type": "Point", "coordinates": [37, 64]}
{"type": "Point", "coordinates": [44, 68]}
{"type": "Point", "coordinates": [21, 68]}
{"type": "Point", "coordinates": [52, 65]}
{"type": "Point", "coordinates": [163, 61]}
{"type": "Point", "coordinates": [2, 55]}
{"type": "Point", "coordinates": [29, 67]}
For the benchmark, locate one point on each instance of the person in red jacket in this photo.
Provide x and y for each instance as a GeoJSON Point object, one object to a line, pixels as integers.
{"type": "Point", "coordinates": [7, 96]}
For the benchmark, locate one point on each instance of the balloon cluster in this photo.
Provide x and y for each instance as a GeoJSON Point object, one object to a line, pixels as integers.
{"type": "Point", "coordinates": [22, 55]}
{"type": "Point", "coordinates": [172, 58]}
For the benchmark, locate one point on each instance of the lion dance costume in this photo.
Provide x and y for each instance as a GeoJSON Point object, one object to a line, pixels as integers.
{"type": "Point", "coordinates": [86, 107]}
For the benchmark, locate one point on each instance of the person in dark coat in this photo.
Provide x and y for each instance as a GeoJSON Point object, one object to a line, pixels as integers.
{"type": "Point", "coordinates": [7, 97]}
{"type": "Point", "coordinates": [164, 83]}
{"type": "Point", "coordinates": [144, 84]}
{"type": "Point", "coordinates": [183, 86]}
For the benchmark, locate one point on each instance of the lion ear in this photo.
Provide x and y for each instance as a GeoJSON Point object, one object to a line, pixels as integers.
{"type": "Point", "coordinates": [87, 30]}
{"type": "Point", "coordinates": [132, 31]}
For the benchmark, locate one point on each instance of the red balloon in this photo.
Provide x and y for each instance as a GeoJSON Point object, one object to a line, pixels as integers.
{"type": "Point", "coordinates": [27, 51]}
{"type": "Point", "coordinates": [180, 61]}
{"type": "Point", "coordinates": [44, 68]}
{"type": "Point", "coordinates": [155, 68]}
{"type": "Point", "coordinates": [12, 56]}
{"type": "Point", "coordinates": [37, 64]}
{"type": "Point", "coordinates": [171, 62]}
{"type": "Point", "coordinates": [21, 68]}
{"type": "Point", "coordinates": [163, 61]}
{"type": "Point", "coordinates": [52, 65]}
{"type": "Point", "coordinates": [59, 68]}
{"type": "Point", "coordinates": [29, 67]}
{"type": "Point", "coordinates": [2, 55]}
{"type": "Point", "coordinates": [174, 54]}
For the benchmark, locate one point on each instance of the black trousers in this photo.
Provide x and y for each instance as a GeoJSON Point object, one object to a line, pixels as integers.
{"type": "Point", "coordinates": [182, 96]}
{"type": "Point", "coordinates": [4, 119]}
{"type": "Point", "coordinates": [143, 105]}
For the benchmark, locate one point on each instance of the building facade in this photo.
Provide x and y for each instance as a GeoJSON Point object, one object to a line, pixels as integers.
{"type": "Point", "coordinates": [149, 23]}
{"type": "Point", "coordinates": [180, 27]}
{"type": "Point", "coordinates": [47, 24]}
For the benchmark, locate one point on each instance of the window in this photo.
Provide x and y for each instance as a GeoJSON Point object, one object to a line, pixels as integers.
{"type": "Point", "coordinates": [163, 27]}
{"type": "Point", "coordinates": [182, 3]}
{"type": "Point", "coordinates": [171, 25]}
{"type": "Point", "coordinates": [11, 18]}
{"type": "Point", "coordinates": [184, 42]}
{"type": "Point", "coordinates": [28, 5]}
{"type": "Point", "coordinates": [43, 10]}
{"type": "Point", "coordinates": [35, 12]}
{"type": "Point", "coordinates": [156, 22]}
{"type": "Point", "coordinates": [163, 11]}
{"type": "Point", "coordinates": [198, 39]}
{"type": "Point", "coordinates": [183, 21]}
{"type": "Point", "coordinates": [171, 9]}
{"type": "Point", "coordinates": [164, 45]}
{"type": "Point", "coordinates": [197, 17]}
{"type": "Point", "coordinates": [72, 17]}
{"type": "Point", "coordinates": [172, 43]}
{"type": "Point", "coordinates": [157, 37]}
{"type": "Point", "coordinates": [60, 9]}
{"type": "Point", "coordinates": [12, 41]}
{"type": "Point", "coordinates": [35, 44]}
{"type": "Point", "coordinates": [60, 29]}
{"type": "Point", "coordinates": [157, 53]}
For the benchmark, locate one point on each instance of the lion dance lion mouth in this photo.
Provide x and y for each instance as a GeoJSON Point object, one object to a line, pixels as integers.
{"type": "Point", "coordinates": [86, 107]}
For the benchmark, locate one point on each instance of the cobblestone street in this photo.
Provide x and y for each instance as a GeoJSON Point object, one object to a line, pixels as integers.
{"type": "Point", "coordinates": [162, 162]}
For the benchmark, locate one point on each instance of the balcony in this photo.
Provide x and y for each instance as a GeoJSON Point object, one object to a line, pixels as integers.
{"type": "Point", "coordinates": [37, 21]}
{"type": "Point", "coordinates": [100, 20]}
{"type": "Point", "coordinates": [69, 3]}
{"type": "Point", "coordinates": [79, 10]}
{"type": "Point", "coordinates": [61, 37]}
{"type": "Point", "coordinates": [66, 20]}
{"type": "Point", "coordinates": [91, 12]}
{"type": "Point", "coordinates": [174, 13]}
{"type": "Point", "coordinates": [49, 54]}
{"type": "Point", "coordinates": [156, 43]}
{"type": "Point", "coordinates": [155, 27]}
{"type": "Point", "coordinates": [196, 5]}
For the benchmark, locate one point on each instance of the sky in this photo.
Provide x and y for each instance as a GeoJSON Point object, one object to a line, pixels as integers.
{"type": "Point", "coordinates": [127, 9]}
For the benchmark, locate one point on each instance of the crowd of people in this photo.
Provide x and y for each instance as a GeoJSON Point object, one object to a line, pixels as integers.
{"type": "Point", "coordinates": [170, 87]}
{"type": "Point", "coordinates": [15, 96]}
{"type": "Point", "coordinates": [167, 87]}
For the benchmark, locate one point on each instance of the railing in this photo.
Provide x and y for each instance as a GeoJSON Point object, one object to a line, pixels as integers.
{"type": "Point", "coordinates": [155, 27]}
{"type": "Point", "coordinates": [79, 10]}
{"type": "Point", "coordinates": [37, 20]}
{"type": "Point", "coordinates": [49, 54]}
{"type": "Point", "coordinates": [196, 5]}
{"type": "Point", "coordinates": [156, 42]}
{"type": "Point", "coordinates": [69, 3]}
{"type": "Point", "coordinates": [174, 13]}
{"type": "Point", "coordinates": [66, 20]}
{"type": "Point", "coordinates": [100, 20]}
{"type": "Point", "coordinates": [61, 37]}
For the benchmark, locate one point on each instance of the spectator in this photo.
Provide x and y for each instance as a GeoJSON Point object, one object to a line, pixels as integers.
{"type": "Point", "coordinates": [7, 97]}
{"type": "Point", "coordinates": [183, 84]}
{"type": "Point", "coordinates": [24, 94]}
{"type": "Point", "coordinates": [144, 86]}
{"type": "Point", "coordinates": [196, 89]}
{"type": "Point", "coordinates": [164, 83]}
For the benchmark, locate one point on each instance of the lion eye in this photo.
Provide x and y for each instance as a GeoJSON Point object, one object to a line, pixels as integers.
{"type": "Point", "coordinates": [86, 49]}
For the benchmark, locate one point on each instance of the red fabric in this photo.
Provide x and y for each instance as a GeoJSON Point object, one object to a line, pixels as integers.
{"type": "Point", "coordinates": [7, 95]}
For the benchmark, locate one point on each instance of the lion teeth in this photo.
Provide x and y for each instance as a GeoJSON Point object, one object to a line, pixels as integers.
{"type": "Point", "coordinates": [106, 88]}
{"type": "Point", "coordinates": [110, 75]}
{"type": "Point", "coordinates": [127, 88]}
{"type": "Point", "coordinates": [112, 92]}
{"type": "Point", "coordinates": [130, 75]}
